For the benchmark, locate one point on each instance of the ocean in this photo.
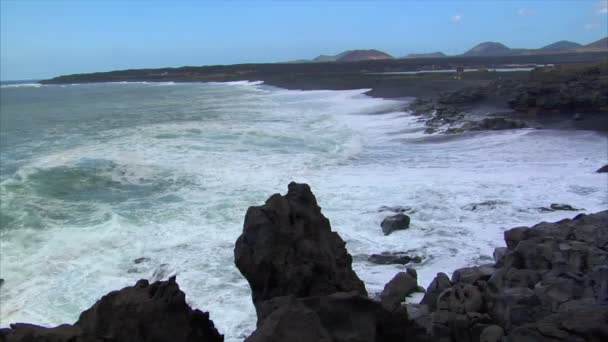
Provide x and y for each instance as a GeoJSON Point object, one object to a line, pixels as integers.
{"type": "Point", "coordinates": [105, 184]}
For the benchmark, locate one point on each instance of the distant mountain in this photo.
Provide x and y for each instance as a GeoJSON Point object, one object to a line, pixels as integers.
{"type": "Point", "coordinates": [601, 44]}
{"type": "Point", "coordinates": [489, 49]}
{"type": "Point", "coordinates": [330, 58]}
{"type": "Point", "coordinates": [426, 55]}
{"type": "Point", "coordinates": [561, 45]}
{"type": "Point", "coordinates": [363, 55]}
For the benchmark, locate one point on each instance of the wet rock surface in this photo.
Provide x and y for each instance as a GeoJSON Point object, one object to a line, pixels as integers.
{"type": "Point", "coordinates": [546, 274]}
{"type": "Point", "coordinates": [395, 222]}
{"type": "Point", "coordinates": [397, 258]}
{"type": "Point", "coordinates": [143, 312]}
{"type": "Point", "coordinates": [288, 248]}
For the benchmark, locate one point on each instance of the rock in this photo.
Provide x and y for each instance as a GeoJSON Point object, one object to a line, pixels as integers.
{"type": "Point", "coordinates": [140, 260]}
{"type": "Point", "coordinates": [492, 333]}
{"type": "Point", "coordinates": [437, 286]}
{"type": "Point", "coordinates": [499, 254]}
{"type": "Point", "coordinates": [603, 169]}
{"type": "Point", "coordinates": [557, 206]}
{"type": "Point", "coordinates": [1, 282]}
{"type": "Point", "coordinates": [395, 291]}
{"type": "Point", "coordinates": [580, 324]}
{"type": "Point", "coordinates": [339, 317]}
{"type": "Point", "coordinates": [144, 312]}
{"type": "Point", "coordinates": [470, 275]}
{"type": "Point", "coordinates": [287, 248]}
{"type": "Point", "coordinates": [388, 258]}
{"type": "Point", "coordinates": [291, 321]}
{"type": "Point", "coordinates": [460, 299]}
{"type": "Point", "coordinates": [395, 222]}
{"type": "Point", "coordinates": [493, 124]}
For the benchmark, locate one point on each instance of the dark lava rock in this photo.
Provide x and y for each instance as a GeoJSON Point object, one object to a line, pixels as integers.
{"type": "Point", "coordinates": [395, 222]}
{"type": "Point", "coordinates": [287, 248]}
{"type": "Point", "coordinates": [557, 206]}
{"type": "Point", "coordinates": [140, 260]}
{"type": "Point", "coordinates": [402, 285]}
{"type": "Point", "coordinates": [388, 258]}
{"type": "Point", "coordinates": [492, 333]}
{"type": "Point", "coordinates": [603, 169]}
{"type": "Point", "coordinates": [303, 286]}
{"type": "Point", "coordinates": [549, 284]}
{"type": "Point", "coordinates": [437, 286]}
{"type": "Point", "coordinates": [339, 317]}
{"type": "Point", "coordinates": [493, 124]}
{"type": "Point", "coordinates": [471, 275]}
{"type": "Point", "coordinates": [144, 312]}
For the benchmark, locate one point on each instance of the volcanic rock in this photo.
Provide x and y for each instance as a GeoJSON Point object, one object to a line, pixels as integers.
{"type": "Point", "coordinates": [395, 222]}
{"type": "Point", "coordinates": [144, 312]}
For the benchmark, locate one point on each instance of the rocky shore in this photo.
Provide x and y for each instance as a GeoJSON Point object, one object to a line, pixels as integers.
{"type": "Point", "coordinates": [549, 283]}
{"type": "Point", "coordinates": [552, 97]}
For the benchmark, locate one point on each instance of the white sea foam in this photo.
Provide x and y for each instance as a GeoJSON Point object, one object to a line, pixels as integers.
{"type": "Point", "coordinates": [191, 179]}
{"type": "Point", "coordinates": [20, 85]}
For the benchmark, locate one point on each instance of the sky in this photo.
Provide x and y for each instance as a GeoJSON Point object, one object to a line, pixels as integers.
{"type": "Point", "coordinates": [41, 39]}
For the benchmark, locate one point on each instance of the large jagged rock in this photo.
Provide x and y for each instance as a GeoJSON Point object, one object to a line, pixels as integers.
{"type": "Point", "coordinates": [549, 284]}
{"type": "Point", "coordinates": [287, 248]}
{"type": "Point", "coordinates": [144, 312]}
{"type": "Point", "coordinates": [302, 283]}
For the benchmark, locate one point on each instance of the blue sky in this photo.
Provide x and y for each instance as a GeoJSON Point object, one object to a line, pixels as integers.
{"type": "Point", "coordinates": [40, 39]}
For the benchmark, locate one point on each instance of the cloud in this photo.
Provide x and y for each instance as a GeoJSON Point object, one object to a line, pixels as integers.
{"type": "Point", "coordinates": [526, 12]}
{"type": "Point", "coordinates": [601, 7]}
{"type": "Point", "coordinates": [593, 26]}
{"type": "Point", "coordinates": [457, 18]}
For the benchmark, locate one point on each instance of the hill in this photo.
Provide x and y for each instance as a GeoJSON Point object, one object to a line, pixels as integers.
{"type": "Point", "coordinates": [330, 58]}
{"type": "Point", "coordinates": [426, 55]}
{"type": "Point", "coordinates": [601, 44]}
{"type": "Point", "coordinates": [489, 49]}
{"type": "Point", "coordinates": [561, 45]}
{"type": "Point", "coordinates": [363, 55]}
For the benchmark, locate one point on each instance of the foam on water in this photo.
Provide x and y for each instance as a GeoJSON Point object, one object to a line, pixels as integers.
{"type": "Point", "coordinates": [171, 181]}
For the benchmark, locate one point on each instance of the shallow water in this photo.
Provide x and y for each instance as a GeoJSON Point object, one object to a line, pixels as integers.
{"type": "Point", "coordinates": [94, 176]}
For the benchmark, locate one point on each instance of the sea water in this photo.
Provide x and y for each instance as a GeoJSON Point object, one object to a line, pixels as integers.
{"type": "Point", "coordinates": [95, 176]}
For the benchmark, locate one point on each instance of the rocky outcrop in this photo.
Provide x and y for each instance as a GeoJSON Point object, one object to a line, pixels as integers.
{"type": "Point", "coordinates": [549, 284]}
{"type": "Point", "coordinates": [395, 222]}
{"type": "Point", "coordinates": [287, 248]}
{"type": "Point", "coordinates": [397, 258]}
{"type": "Point", "coordinates": [144, 312]}
{"type": "Point", "coordinates": [303, 286]}
{"type": "Point", "coordinates": [395, 291]}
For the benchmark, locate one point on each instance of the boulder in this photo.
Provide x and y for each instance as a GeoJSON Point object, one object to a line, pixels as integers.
{"type": "Point", "coordinates": [395, 291]}
{"type": "Point", "coordinates": [144, 312]}
{"type": "Point", "coordinates": [388, 258]}
{"type": "Point", "coordinates": [603, 169]}
{"type": "Point", "coordinates": [470, 275]}
{"type": "Point", "coordinates": [395, 222]}
{"type": "Point", "coordinates": [437, 286]}
{"type": "Point", "coordinates": [287, 248]}
{"type": "Point", "coordinates": [492, 333]}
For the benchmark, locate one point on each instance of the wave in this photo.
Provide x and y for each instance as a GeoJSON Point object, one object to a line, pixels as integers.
{"type": "Point", "coordinates": [21, 85]}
